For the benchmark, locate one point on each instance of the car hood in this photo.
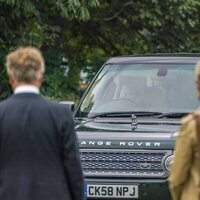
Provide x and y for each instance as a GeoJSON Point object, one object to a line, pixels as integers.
{"type": "Point", "coordinates": [150, 133]}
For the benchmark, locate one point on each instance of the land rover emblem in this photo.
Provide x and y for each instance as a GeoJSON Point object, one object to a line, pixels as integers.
{"type": "Point", "coordinates": [145, 166]}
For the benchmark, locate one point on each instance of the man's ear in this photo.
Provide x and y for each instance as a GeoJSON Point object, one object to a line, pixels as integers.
{"type": "Point", "coordinates": [41, 78]}
{"type": "Point", "coordinates": [12, 81]}
{"type": "Point", "coordinates": [39, 81]}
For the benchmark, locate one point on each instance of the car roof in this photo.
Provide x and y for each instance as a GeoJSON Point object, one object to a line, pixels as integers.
{"type": "Point", "coordinates": [156, 58]}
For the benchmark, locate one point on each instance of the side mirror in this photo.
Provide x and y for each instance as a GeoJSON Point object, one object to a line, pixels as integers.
{"type": "Point", "coordinates": [69, 104]}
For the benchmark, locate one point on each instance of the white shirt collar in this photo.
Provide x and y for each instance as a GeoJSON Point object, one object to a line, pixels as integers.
{"type": "Point", "coordinates": [26, 89]}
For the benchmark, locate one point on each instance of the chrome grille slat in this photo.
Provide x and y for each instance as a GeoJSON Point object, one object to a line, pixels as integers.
{"type": "Point", "coordinates": [124, 163]}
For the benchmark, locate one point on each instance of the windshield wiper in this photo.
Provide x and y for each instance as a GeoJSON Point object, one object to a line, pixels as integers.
{"type": "Point", "coordinates": [123, 114]}
{"type": "Point", "coordinates": [173, 114]}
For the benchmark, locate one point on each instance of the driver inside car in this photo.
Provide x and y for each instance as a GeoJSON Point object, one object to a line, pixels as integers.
{"type": "Point", "coordinates": [131, 94]}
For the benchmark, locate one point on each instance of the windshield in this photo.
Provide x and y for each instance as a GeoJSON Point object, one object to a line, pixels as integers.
{"type": "Point", "coordinates": [141, 87]}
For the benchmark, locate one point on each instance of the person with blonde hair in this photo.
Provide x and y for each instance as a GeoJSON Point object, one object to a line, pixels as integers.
{"type": "Point", "coordinates": [184, 180]}
{"type": "Point", "coordinates": [39, 158]}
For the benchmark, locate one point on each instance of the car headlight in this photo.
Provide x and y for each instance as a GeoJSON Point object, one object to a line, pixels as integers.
{"type": "Point", "coordinates": [168, 162]}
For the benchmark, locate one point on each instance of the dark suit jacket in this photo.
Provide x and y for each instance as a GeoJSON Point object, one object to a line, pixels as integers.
{"type": "Point", "coordinates": [39, 158]}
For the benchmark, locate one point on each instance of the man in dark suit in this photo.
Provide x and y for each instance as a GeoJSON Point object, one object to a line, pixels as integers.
{"type": "Point", "coordinates": [39, 158]}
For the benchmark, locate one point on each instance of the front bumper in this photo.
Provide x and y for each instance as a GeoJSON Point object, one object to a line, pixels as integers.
{"type": "Point", "coordinates": [149, 189]}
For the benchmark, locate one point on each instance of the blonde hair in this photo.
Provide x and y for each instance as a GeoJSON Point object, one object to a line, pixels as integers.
{"type": "Point", "coordinates": [25, 64]}
{"type": "Point", "coordinates": [197, 75]}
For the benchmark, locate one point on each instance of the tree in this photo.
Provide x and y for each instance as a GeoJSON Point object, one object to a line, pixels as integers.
{"type": "Point", "coordinates": [39, 23]}
{"type": "Point", "coordinates": [87, 32]}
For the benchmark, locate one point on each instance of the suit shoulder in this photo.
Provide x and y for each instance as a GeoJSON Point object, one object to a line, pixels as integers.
{"type": "Point", "coordinates": [51, 102]}
{"type": "Point", "coordinates": [55, 105]}
{"type": "Point", "coordinates": [187, 127]}
{"type": "Point", "coordinates": [5, 102]}
{"type": "Point", "coordinates": [189, 118]}
{"type": "Point", "coordinates": [188, 123]}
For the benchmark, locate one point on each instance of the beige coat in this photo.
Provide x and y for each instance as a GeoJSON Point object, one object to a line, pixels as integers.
{"type": "Point", "coordinates": [184, 177]}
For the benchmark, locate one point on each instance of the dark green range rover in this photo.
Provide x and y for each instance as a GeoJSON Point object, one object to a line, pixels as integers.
{"type": "Point", "coordinates": [127, 123]}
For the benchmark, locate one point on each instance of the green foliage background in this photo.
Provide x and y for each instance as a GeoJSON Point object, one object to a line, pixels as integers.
{"type": "Point", "coordinates": [87, 32]}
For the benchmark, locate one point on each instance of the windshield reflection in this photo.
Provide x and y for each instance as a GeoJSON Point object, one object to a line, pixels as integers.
{"type": "Point", "coordinates": [141, 87]}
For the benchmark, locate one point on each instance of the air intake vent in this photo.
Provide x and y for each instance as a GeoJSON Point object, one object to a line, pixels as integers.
{"type": "Point", "coordinates": [124, 163]}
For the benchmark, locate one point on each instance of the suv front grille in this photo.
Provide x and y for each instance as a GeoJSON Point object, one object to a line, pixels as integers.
{"type": "Point", "coordinates": [131, 163]}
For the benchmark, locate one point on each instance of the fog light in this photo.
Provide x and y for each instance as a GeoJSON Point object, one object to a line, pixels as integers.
{"type": "Point", "coordinates": [169, 162]}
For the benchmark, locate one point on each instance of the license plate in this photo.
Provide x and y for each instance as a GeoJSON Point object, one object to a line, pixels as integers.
{"type": "Point", "coordinates": [112, 191]}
